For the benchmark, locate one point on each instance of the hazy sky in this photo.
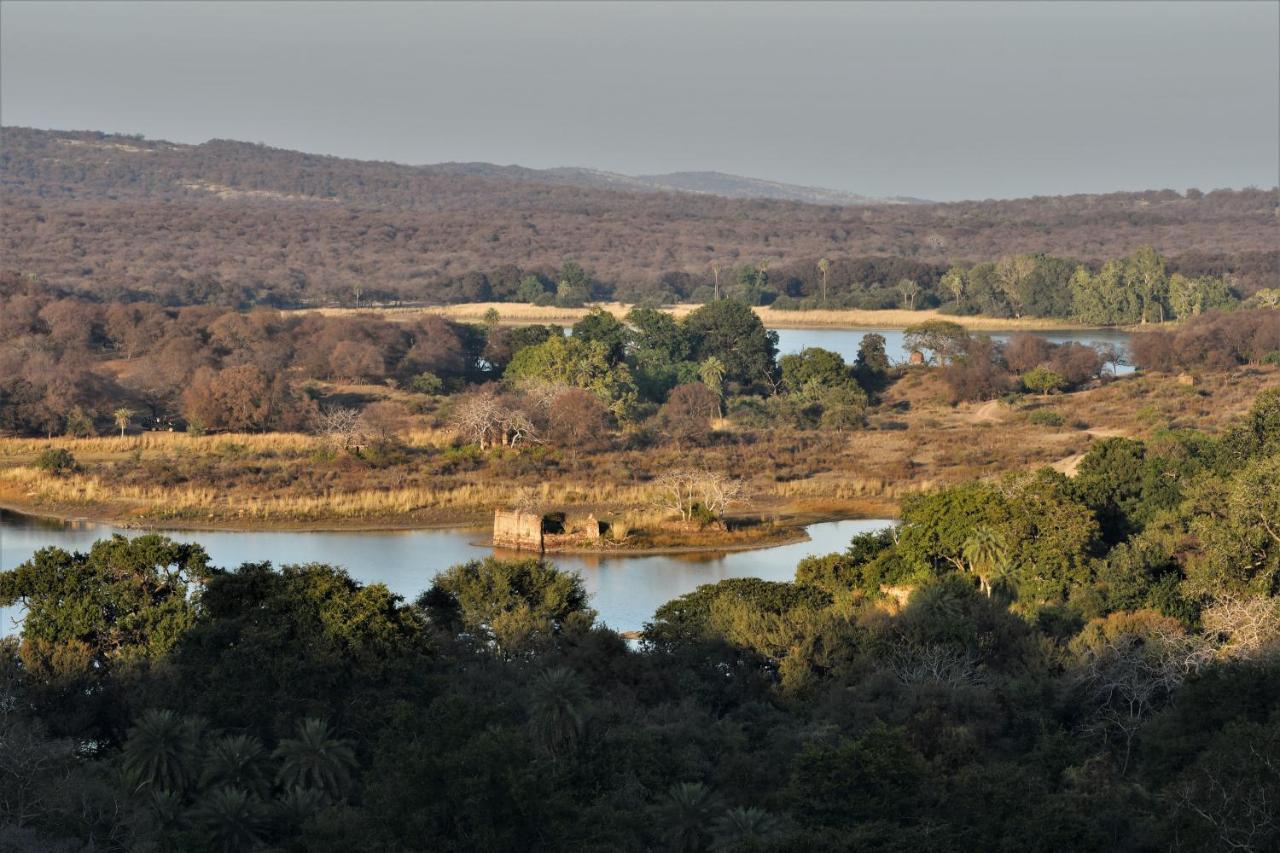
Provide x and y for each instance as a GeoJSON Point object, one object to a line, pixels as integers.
{"type": "Point", "coordinates": [943, 101]}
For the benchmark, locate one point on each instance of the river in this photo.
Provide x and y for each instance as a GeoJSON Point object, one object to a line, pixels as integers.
{"type": "Point", "coordinates": [845, 341]}
{"type": "Point", "coordinates": [625, 589]}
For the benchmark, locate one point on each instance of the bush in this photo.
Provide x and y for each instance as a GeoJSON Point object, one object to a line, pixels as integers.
{"type": "Point", "coordinates": [1041, 380]}
{"type": "Point", "coordinates": [1046, 417]}
{"type": "Point", "coordinates": [427, 383]}
{"type": "Point", "coordinates": [57, 461]}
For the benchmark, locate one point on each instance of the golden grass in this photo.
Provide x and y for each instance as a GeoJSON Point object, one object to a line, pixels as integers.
{"type": "Point", "coordinates": [848, 318]}
{"type": "Point", "coordinates": [157, 502]}
{"type": "Point", "coordinates": [167, 441]}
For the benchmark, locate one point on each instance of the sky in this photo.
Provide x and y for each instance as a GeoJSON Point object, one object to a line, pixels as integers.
{"type": "Point", "coordinates": [934, 100]}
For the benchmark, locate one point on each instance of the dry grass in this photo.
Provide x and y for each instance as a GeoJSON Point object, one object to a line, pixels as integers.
{"type": "Point", "coordinates": [167, 442]}
{"type": "Point", "coordinates": [915, 441]}
{"type": "Point", "coordinates": [511, 313]}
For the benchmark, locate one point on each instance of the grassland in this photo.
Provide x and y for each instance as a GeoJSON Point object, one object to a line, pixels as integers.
{"type": "Point", "coordinates": [914, 441]}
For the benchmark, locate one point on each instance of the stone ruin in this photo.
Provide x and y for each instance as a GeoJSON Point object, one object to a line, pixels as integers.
{"type": "Point", "coordinates": [519, 530]}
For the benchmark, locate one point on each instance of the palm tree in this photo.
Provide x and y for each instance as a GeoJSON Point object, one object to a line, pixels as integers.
{"type": "Point", "coordinates": [688, 812]}
{"type": "Point", "coordinates": [986, 553]}
{"type": "Point", "coordinates": [824, 266]}
{"type": "Point", "coordinates": [235, 760]}
{"type": "Point", "coordinates": [160, 751]}
{"type": "Point", "coordinates": [715, 271]}
{"type": "Point", "coordinates": [743, 826]}
{"type": "Point", "coordinates": [711, 372]}
{"type": "Point", "coordinates": [315, 759]}
{"type": "Point", "coordinates": [297, 805]}
{"type": "Point", "coordinates": [557, 724]}
{"type": "Point", "coordinates": [232, 818]}
{"type": "Point", "coordinates": [123, 416]}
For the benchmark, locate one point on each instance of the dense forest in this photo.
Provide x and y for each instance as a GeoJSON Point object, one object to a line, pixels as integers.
{"type": "Point", "coordinates": [237, 224]}
{"type": "Point", "coordinates": [1027, 663]}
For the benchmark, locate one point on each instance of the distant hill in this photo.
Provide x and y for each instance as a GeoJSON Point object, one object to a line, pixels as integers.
{"type": "Point", "coordinates": [238, 223]}
{"type": "Point", "coordinates": [704, 183]}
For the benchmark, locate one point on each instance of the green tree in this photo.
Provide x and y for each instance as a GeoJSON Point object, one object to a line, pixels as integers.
{"type": "Point", "coordinates": [531, 290]}
{"type": "Point", "coordinates": [573, 289]}
{"type": "Point", "coordinates": [944, 339]}
{"type": "Point", "coordinates": [1042, 380]}
{"type": "Point", "coordinates": [162, 751]}
{"type": "Point", "coordinates": [122, 417]}
{"type": "Point", "coordinates": [125, 600]}
{"type": "Point", "coordinates": [231, 818]}
{"type": "Point", "coordinates": [824, 267]}
{"type": "Point", "coordinates": [987, 556]}
{"type": "Point", "coordinates": [557, 699]}
{"type": "Point", "coordinates": [687, 815]}
{"type": "Point", "coordinates": [314, 758]}
{"type": "Point", "coordinates": [235, 760]}
{"type": "Point", "coordinates": [513, 604]}
{"type": "Point", "coordinates": [601, 326]}
{"type": "Point", "coordinates": [731, 331]}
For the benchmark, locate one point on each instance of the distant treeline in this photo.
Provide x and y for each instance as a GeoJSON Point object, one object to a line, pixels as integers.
{"type": "Point", "coordinates": [67, 363]}
{"type": "Point", "coordinates": [237, 225]}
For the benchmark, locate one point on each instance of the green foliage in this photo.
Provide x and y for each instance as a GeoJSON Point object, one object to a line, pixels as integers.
{"type": "Point", "coordinates": [57, 461]}
{"type": "Point", "coordinates": [427, 383]}
{"type": "Point", "coordinates": [1042, 380]}
{"type": "Point", "coordinates": [515, 605]}
{"type": "Point", "coordinates": [1046, 417]}
{"type": "Point", "coordinates": [941, 340]}
{"type": "Point", "coordinates": [731, 331]}
{"type": "Point", "coordinates": [579, 364]}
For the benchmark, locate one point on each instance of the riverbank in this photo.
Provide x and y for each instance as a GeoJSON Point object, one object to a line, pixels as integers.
{"type": "Point", "coordinates": [516, 313]}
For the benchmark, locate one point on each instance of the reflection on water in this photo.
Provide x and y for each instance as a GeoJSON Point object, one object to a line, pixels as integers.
{"type": "Point", "coordinates": [845, 341]}
{"type": "Point", "coordinates": [624, 589]}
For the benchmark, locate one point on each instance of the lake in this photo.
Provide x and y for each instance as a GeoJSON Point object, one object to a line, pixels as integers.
{"type": "Point", "coordinates": [625, 589]}
{"type": "Point", "coordinates": [845, 341]}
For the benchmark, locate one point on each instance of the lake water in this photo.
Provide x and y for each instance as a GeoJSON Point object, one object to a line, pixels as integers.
{"type": "Point", "coordinates": [626, 590]}
{"type": "Point", "coordinates": [845, 341]}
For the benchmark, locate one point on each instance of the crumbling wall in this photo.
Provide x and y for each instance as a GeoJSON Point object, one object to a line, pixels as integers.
{"type": "Point", "coordinates": [521, 531]}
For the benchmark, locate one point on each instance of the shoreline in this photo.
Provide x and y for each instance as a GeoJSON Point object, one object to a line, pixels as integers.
{"type": "Point", "coordinates": [852, 319]}
{"type": "Point", "coordinates": [791, 532]}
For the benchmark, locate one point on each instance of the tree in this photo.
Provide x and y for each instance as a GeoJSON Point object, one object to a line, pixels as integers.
{"type": "Point", "coordinates": [231, 817]}
{"type": "Point", "coordinates": [943, 338]}
{"type": "Point", "coordinates": [910, 289]}
{"type": "Point", "coordinates": [235, 760]}
{"type": "Point", "coordinates": [687, 815]}
{"type": "Point", "coordinates": [688, 490]}
{"type": "Point", "coordinates": [314, 758]}
{"type": "Point", "coordinates": [711, 372]}
{"type": "Point", "coordinates": [122, 416]}
{"type": "Point", "coordinates": [513, 605]}
{"type": "Point", "coordinates": [687, 414]}
{"type": "Point", "coordinates": [557, 696]}
{"type": "Point", "coordinates": [161, 752]}
{"type": "Point", "coordinates": [824, 267]}
{"type": "Point", "coordinates": [356, 361]}
{"type": "Point", "coordinates": [732, 332]}
{"type": "Point", "coordinates": [987, 555]}
{"type": "Point", "coordinates": [601, 326]}
{"type": "Point", "coordinates": [125, 600]}
{"type": "Point", "coordinates": [1042, 380]}
{"type": "Point", "coordinates": [953, 282]}
{"type": "Point", "coordinates": [577, 421]}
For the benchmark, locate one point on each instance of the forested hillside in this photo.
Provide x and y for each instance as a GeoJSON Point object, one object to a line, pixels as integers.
{"type": "Point", "coordinates": [237, 224]}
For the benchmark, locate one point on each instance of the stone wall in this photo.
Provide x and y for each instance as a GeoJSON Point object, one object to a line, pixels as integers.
{"type": "Point", "coordinates": [521, 531]}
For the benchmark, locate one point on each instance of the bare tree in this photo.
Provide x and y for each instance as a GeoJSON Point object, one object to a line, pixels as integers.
{"type": "Point", "coordinates": [339, 426]}
{"type": "Point", "coordinates": [682, 490]}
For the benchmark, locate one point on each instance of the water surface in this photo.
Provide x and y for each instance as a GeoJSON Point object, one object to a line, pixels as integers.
{"type": "Point", "coordinates": [845, 341]}
{"type": "Point", "coordinates": [626, 590]}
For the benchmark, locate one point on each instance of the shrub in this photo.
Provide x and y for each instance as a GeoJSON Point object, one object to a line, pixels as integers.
{"type": "Point", "coordinates": [427, 383]}
{"type": "Point", "coordinates": [1046, 417]}
{"type": "Point", "coordinates": [57, 461]}
{"type": "Point", "coordinates": [1041, 380]}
